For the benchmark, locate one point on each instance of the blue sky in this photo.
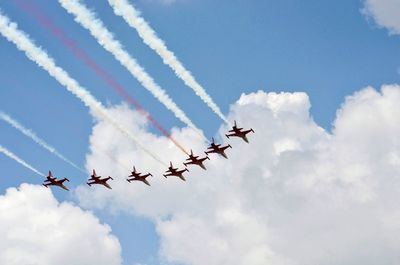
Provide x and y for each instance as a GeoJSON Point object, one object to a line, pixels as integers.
{"type": "Point", "coordinates": [327, 49]}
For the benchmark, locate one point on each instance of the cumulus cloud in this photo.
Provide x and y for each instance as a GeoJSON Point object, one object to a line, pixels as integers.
{"type": "Point", "coordinates": [385, 13]}
{"type": "Point", "coordinates": [37, 230]}
{"type": "Point", "coordinates": [297, 194]}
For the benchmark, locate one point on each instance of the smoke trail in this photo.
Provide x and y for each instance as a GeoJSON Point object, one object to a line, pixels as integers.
{"type": "Point", "coordinates": [100, 72]}
{"type": "Point", "coordinates": [35, 138]}
{"type": "Point", "coordinates": [19, 160]}
{"type": "Point", "coordinates": [88, 20]}
{"type": "Point", "coordinates": [41, 58]}
{"type": "Point", "coordinates": [150, 38]}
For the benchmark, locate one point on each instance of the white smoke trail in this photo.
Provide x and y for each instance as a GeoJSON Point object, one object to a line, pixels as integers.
{"type": "Point", "coordinates": [19, 160]}
{"type": "Point", "coordinates": [105, 38]}
{"type": "Point", "coordinates": [27, 132]}
{"type": "Point", "coordinates": [150, 38]}
{"type": "Point", "coordinates": [41, 58]}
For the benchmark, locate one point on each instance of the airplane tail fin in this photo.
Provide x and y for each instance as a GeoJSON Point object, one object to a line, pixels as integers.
{"type": "Point", "coordinates": [50, 175]}
{"type": "Point", "coordinates": [94, 172]}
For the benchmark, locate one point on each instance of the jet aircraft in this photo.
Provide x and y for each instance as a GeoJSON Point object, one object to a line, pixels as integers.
{"type": "Point", "coordinates": [195, 160]}
{"type": "Point", "coordinates": [217, 148]}
{"type": "Point", "coordinates": [94, 179]}
{"type": "Point", "coordinates": [238, 132]}
{"type": "Point", "coordinates": [136, 176]}
{"type": "Point", "coordinates": [52, 181]}
{"type": "Point", "coordinates": [175, 172]}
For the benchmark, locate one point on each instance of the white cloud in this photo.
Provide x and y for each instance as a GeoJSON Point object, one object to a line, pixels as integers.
{"type": "Point", "coordinates": [37, 230]}
{"type": "Point", "coordinates": [295, 195]}
{"type": "Point", "coordinates": [385, 13]}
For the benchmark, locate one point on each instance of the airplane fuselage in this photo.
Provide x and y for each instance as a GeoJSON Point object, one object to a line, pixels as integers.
{"type": "Point", "coordinates": [196, 161]}
{"type": "Point", "coordinates": [176, 173]}
{"type": "Point", "coordinates": [140, 178]}
{"type": "Point", "coordinates": [105, 184]}
{"type": "Point", "coordinates": [58, 184]}
{"type": "Point", "coordinates": [240, 134]}
{"type": "Point", "coordinates": [218, 150]}
{"type": "Point", "coordinates": [98, 181]}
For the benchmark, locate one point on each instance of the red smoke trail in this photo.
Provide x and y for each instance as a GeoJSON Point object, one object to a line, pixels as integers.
{"type": "Point", "coordinates": [101, 73]}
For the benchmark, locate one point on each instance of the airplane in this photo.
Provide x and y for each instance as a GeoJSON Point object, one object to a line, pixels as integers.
{"type": "Point", "coordinates": [175, 172]}
{"type": "Point", "coordinates": [139, 177]}
{"type": "Point", "coordinates": [52, 181]}
{"type": "Point", "coordinates": [216, 148]}
{"type": "Point", "coordinates": [94, 179]}
{"type": "Point", "coordinates": [195, 160]}
{"type": "Point", "coordinates": [238, 132]}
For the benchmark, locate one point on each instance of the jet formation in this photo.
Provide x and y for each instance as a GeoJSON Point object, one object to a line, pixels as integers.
{"type": "Point", "coordinates": [214, 148]}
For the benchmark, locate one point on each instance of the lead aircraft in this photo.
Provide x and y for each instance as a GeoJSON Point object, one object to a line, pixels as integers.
{"type": "Point", "coordinates": [94, 179]}
{"type": "Point", "coordinates": [175, 172]}
{"type": "Point", "coordinates": [136, 176]}
{"type": "Point", "coordinates": [195, 160]}
{"type": "Point", "coordinates": [238, 132]}
{"type": "Point", "coordinates": [52, 181]}
{"type": "Point", "coordinates": [216, 148]}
